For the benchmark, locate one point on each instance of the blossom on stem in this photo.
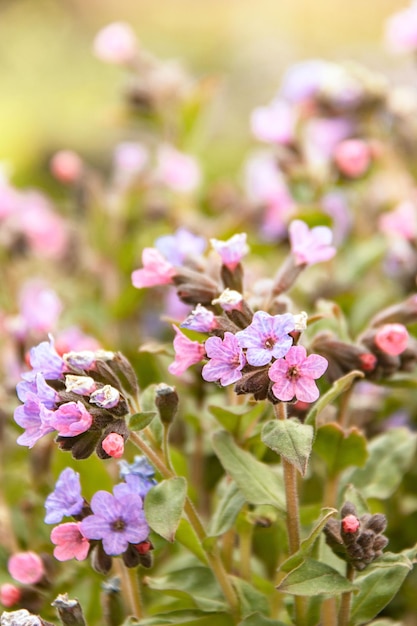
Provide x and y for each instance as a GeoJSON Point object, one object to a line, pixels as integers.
{"type": "Point", "coordinates": [80, 385]}
{"type": "Point", "coordinates": [392, 338]}
{"type": "Point", "coordinates": [187, 353]}
{"type": "Point", "coordinates": [106, 397]}
{"type": "Point", "coordinates": [294, 375]}
{"type": "Point", "coordinates": [266, 337]}
{"type": "Point", "coordinates": [231, 251]}
{"type": "Point", "coordinates": [182, 244]}
{"type": "Point", "coordinates": [66, 499]}
{"type": "Point", "coordinates": [138, 475]}
{"type": "Point", "coordinates": [26, 567]}
{"type": "Point", "coordinates": [156, 270]}
{"type": "Point", "coordinates": [200, 319]}
{"type": "Point", "coordinates": [44, 358]}
{"type": "Point", "coordinates": [113, 444]}
{"type": "Point", "coordinates": [35, 418]}
{"type": "Point", "coordinates": [226, 359]}
{"type": "Point", "coordinates": [310, 246]}
{"type": "Point", "coordinates": [70, 542]}
{"type": "Point", "coordinates": [9, 595]}
{"type": "Point", "coordinates": [71, 419]}
{"type": "Point", "coordinates": [116, 520]}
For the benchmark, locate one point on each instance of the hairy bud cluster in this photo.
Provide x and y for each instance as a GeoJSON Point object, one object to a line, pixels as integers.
{"type": "Point", "coordinates": [358, 541]}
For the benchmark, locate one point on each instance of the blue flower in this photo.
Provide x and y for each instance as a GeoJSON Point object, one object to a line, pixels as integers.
{"type": "Point", "coordinates": [139, 475]}
{"type": "Point", "coordinates": [66, 499]}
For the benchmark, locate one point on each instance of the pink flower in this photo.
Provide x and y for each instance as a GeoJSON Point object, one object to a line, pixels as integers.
{"type": "Point", "coordinates": [231, 251]}
{"type": "Point", "coordinates": [116, 43]}
{"type": "Point", "coordinates": [26, 567]}
{"type": "Point", "coordinates": [273, 123]}
{"type": "Point", "coordinates": [187, 353]}
{"type": "Point", "coordinates": [113, 445]}
{"type": "Point", "coordinates": [156, 270]}
{"type": "Point", "coordinates": [310, 246]}
{"type": "Point", "coordinates": [401, 30]}
{"type": "Point", "coordinates": [9, 594]}
{"type": "Point", "coordinates": [294, 375]}
{"type": "Point", "coordinates": [392, 338]}
{"type": "Point", "coordinates": [226, 359]}
{"type": "Point", "coordinates": [66, 166]}
{"type": "Point", "coordinates": [350, 524]}
{"type": "Point", "coordinates": [402, 221]}
{"type": "Point", "coordinates": [352, 157]}
{"type": "Point", "coordinates": [45, 231]}
{"type": "Point", "coordinates": [71, 419]}
{"type": "Point", "coordinates": [176, 170]}
{"type": "Point", "coordinates": [70, 542]}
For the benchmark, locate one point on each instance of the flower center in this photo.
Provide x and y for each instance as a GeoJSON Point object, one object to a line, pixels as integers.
{"type": "Point", "coordinates": [269, 343]}
{"type": "Point", "coordinates": [118, 525]}
{"type": "Point", "coordinates": [293, 373]}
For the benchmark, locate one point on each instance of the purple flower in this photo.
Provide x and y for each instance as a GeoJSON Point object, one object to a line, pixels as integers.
{"type": "Point", "coordinates": [266, 337]}
{"type": "Point", "coordinates": [226, 359]}
{"type": "Point", "coordinates": [71, 419]}
{"type": "Point", "coordinates": [35, 384]}
{"type": "Point", "coordinates": [201, 319]}
{"type": "Point", "coordinates": [134, 484]}
{"type": "Point", "coordinates": [139, 475]}
{"type": "Point", "coordinates": [35, 418]}
{"type": "Point", "coordinates": [187, 353]}
{"type": "Point", "coordinates": [182, 244]}
{"type": "Point", "coordinates": [294, 375]}
{"type": "Point", "coordinates": [44, 358]}
{"type": "Point", "coordinates": [310, 246]}
{"type": "Point", "coordinates": [66, 499]}
{"type": "Point", "coordinates": [231, 251]}
{"type": "Point", "coordinates": [117, 520]}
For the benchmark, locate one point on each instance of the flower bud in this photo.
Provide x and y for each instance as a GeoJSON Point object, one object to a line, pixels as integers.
{"type": "Point", "coordinates": [350, 524]}
{"type": "Point", "coordinates": [114, 445]}
{"type": "Point", "coordinates": [166, 400]}
{"type": "Point", "coordinates": [392, 338]}
{"type": "Point", "coordinates": [9, 594]}
{"type": "Point", "coordinates": [66, 166]}
{"type": "Point", "coordinates": [69, 611]}
{"type": "Point", "coordinates": [26, 567]}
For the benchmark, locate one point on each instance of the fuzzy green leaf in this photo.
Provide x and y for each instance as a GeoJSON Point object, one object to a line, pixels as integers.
{"type": "Point", "coordinates": [227, 511]}
{"type": "Point", "coordinates": [256, 619]}
{"type": "Point", "coordinates": [338, 387]}
{"type": "Point", "coordinates": [312, 578]}
{"type": "Point", "coordinates": [139, 421]}
{"type": "Point", "coordinates": [257, 481]}
{"type": "Point", "coordinates": [164, 505]}
{"type": "Point", "coordinates": [251, 600]}
{"type": "Point", "coordinates": [340, 449]}
{"type": "Point", "coordinates": [291, 439]}
{"type": "Point", "coordinates": [237, 419]}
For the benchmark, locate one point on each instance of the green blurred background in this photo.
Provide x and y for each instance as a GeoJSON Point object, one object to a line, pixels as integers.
{"type": "Point", "coordinates": [55, 94]}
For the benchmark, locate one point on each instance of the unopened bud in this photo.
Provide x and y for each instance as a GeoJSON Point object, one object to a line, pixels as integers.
{"type": "Point", "coordinates": [114, 445]}
{"type": "Point", "coordinates": [9, 595]}
{"type": "Point", "coordinates": [69, 611]}
{"type": "Point", "coordinates": [350, 524]}
{"type": "Point", "coordinates": [166, 400]}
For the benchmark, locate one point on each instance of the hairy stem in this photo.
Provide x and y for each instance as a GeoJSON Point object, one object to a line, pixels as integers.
{"type": "Point", "coordinates": [133, 596]}
{"type": "Point", "coordinates": [344, 610]}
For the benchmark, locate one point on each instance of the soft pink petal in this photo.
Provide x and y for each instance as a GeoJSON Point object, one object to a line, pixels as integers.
{"type": "Point", "coordinates": [314, 366]}
{"type": "Point", "coordinates": [284, 389]}
{"type": "Point", "coordinates": [306, 390]}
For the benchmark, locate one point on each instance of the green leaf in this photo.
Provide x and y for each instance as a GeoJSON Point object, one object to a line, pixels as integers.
{"type": "Point", "coordinates": [307, 544]}
{"type": "Point", "coordinates": [256, 619]}
{"type": "Point", "coordinates": [164, 505]}
{"type": "Point", "coordinates": [227, 511]}
{"type": "Point", "coordinates": [257, 481]}
{"type": "Point", "coordinates": [390, 456]}
{"type": "Point", "coordinates": [184, 617]}
{"type": "Point", "coordinates": [186, 536]}
{"type": "Point", "coordinates": [378, 584]}
{"type": "Point", "coordinates": [312, 578]}
{"type": "Point", "coordinates": [339, 448]}
{"type": "Point", "coordinates": [237, 419]}
{"type": "Point", "coordinates": [251, 599]}
{"type": "Point", "coordinates": [291, 439]}
{"type": "Point", "coordinates": [339, 386]}
{"type": "Point", "coordinates": [139, 421]}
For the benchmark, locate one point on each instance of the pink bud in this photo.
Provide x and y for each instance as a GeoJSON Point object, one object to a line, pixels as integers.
{"type": "Point", "coordinates": [352, 157]}
{"type": "Point", "coordinates": [26, 567]}
{"type": "Point", "coordinates": [116, 43]}
{"type": "Point", "coordinates": [114, 445]}
{"type": "Point", "coordinates": [392, 339]}
{"type": "Point", "coordinates": [66, 166]}
{"type": "Point", "coordinates": [9, 594]}
{"type": "Point", "coordinates": [350, 524]}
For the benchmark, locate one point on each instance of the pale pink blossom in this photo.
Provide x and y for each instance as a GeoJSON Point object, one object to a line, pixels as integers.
{"type": "Point", "coordinates": [294, 375]}
{"type": "Point", "coordinates": [177, 170]}
{"type": "Point", "coordinates": [26, 567]}
{"type": "Point", "coordinates": [9, 594]}
{"type": "Point", "coordinates": [114, 445]}
{"type": "Point", "coordinates": [71, 419]}
{"type": "Point", "coordinates": [66, 166]}
{"type": "Point", "coordinates": [156, 270]}
{"type": "Point", "coordinates": [401, 221]}
{"type": "Point", "coordinates": [352, 157]}
{"type": "Point", "coordinates": [70, 542]}
{"type": "Point", "coordinates": [273, 123]}
{"type": "Point", "coordinates": [310, 246]}
{"type": "Point", "coordinates": [45, 230]}
{"type": "Point", "coordinates": [187, 353]}
{"type": "Point", "coordinates": [231, 251]}
{"type": "Point", "coordinates": [392, 338]}
{"type": "Point", "coordinates": [116, 43]}
{"type": "Point", "coordinates": [226, 360]}
{"type": "Point", "coordinates": [401, 30]}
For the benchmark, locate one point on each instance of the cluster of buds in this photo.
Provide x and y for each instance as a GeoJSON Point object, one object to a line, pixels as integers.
{"type": "Point", "coordinates": [359, 541]}
{"type": "Point", "coordinates": [83, 396]}
{"type": "Point", "coordinates": [111, 525]}
{"type": "Point", "coordinates": [256, 350]}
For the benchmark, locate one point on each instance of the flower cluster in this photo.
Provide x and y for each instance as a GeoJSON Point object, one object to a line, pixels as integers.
{"type": "Point", "coordinates": [112, 524]}
{"type": "Point", "coordinates": [80, 396]}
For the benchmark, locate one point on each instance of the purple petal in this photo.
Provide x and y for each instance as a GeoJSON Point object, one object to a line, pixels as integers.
{"type": "Point", "coordinates": [104, 503]}
{"type": "Point", "coordinates": [115, 543]}
{"type": "Point", "coordinates": [95, 527]}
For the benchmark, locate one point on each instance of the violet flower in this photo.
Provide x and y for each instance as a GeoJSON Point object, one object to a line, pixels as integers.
{"type": "Point", "coordinates": [35, 418]}
{"type": "Point", "coordinates": [266, 337]}
{"type": "Point", "coordinates": [310, 246]}
{"type": "Point", "coordinates": [117, 520]}
{"type": "Point", "coordinates": [200, 319]}
{"type": "Point", "coordinates": [226, 359]}
{"type": "Point", "coordinates": [182, 244]}
{"type": "Point", "coordinates": [139, 475]}
{"type": "Point", "coordinates": [44, 358]}
{"type": "Point", "coordinates": [294, 375]}
{"type": "Point", "coordinates": [66, 499]}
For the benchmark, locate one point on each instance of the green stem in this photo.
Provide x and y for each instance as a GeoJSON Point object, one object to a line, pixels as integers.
{"type": "Point", "coordinates": [132, 590]}
{"type": "Point", "coordinates": [212, 556]}
{"type": "Point", "coordinates": [165, 446]}
{"type": "Point", "coordinates": [245, 545]}
{"type": "Point", "coordinates": [344, 610]}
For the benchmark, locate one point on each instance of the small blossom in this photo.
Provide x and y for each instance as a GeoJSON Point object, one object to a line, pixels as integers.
{"type": "Point", "coordinates": [66, 499]}
{"type": "Point", "coordinates": [106, 398]}
{"type": "Point", "coordinates": [117, 521]}
{"type": "Point", "coordinates": [81, 385]}
{"type": "Point", "coordinates": [70, 542]}
{"type": "Point", "coordinates": [229, 300]}
{"type": "Point", "coordinates": [294, 375]}
{"type": "Point", "coordinates": [187, 353]}
{"type": "Point", "coordinates": [200, 319]}
{"type": "Point", "coordinates": [44, 358]}
{"type": "Point", "coordinates": [352, 157]}
{"type": "Point", "coordinates": [139, 475]}
{"type": "Point", "coordinates": [9, 594]}
{"type": "Point", "coordinates": [26, 567]}
{"type": "Point", "coordinates": [182, 244]}
{"type": "Point", "coordinates": [113, 445]}
{"type": "Point", "coordinates": [231, 251]}
{"type": "Point", "coordinates": [116, 43]}
{"type": "Point", "coordinates": [178, 171]}
{"type": "Point", "coordinates": [392, 338]}
{"type": "Point", "coordinates": [226, 359]}
{"type": "Point", "coordinates": [66, 166]}
{"type": "Point", "coordinates": [156, 270]}
{"type": "Point", "coordinates": [310, 246]}
{"type": "Point", "coordinates": [266, 337]}
{"type": "Point", "coordinates": [350, 524]}
{"type": "Point", "coordinates": [35, 418]}
{"type": "Point", "coordinates": [71, 419]}
{"type": "Point", "coordinates": [36, 384]}
{"type": "Point", "coordinates": [273, 123]}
